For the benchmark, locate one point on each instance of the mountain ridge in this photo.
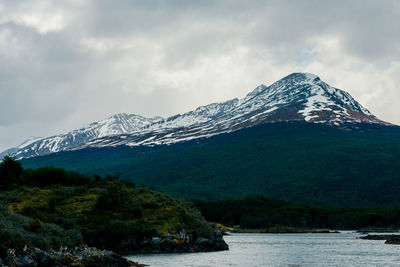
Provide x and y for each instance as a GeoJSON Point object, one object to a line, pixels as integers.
{"type": "Point", "coordinates": [296, 97]}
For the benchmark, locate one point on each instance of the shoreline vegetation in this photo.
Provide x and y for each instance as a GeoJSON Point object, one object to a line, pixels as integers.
{"type": "Point", "coordinates": [271, 215]}
{"type": "Point", "coordinates": [372, 234]}
{"type": "Point", "coordinates": [68, 217]}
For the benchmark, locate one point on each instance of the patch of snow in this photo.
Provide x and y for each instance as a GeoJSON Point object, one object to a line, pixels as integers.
{"type": "Point", "coordinates": [318, 101]}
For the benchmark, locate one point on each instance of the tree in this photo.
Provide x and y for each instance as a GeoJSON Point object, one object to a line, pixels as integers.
{"type": "Point", "coordinates": [10, 172]}
{"type": "Point", "coordinates": [115, 195]}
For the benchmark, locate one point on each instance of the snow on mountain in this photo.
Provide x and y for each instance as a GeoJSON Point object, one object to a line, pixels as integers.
{"type": "Point", "coordinates": [14, 150]}
{"type": "Point", "coordinates": [296, 97]}
{"type": "Point", "coordinates": [29, 141]}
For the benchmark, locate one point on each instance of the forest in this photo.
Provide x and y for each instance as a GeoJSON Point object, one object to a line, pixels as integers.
{"type": "Point", "coordinates": [302, 163]}
{"type": "Point", "coordinates": [260, 212]}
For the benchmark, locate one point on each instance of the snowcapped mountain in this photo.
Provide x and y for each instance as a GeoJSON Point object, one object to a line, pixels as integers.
{"type": "Point", "coordinates": [14, 150]}
{"type": "Point", "coordinates": [296, 97]}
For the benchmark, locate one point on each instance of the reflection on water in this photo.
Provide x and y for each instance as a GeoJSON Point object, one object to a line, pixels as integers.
{"type": "Point", "coordinates": [342, 249]}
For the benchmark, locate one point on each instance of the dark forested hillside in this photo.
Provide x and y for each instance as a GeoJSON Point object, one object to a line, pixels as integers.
{"type": "Point", "coordinates": [259, 212]}
{"type": "Point", "coordinates": [301, 162]}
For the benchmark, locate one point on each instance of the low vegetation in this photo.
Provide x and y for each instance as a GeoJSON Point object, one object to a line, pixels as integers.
{"type": "Point", "coordinates": [50, 207]}
{"type": "Point", "coordinates": [17, 231]}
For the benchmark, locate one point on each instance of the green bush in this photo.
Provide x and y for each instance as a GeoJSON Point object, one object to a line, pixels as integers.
{"type": "Point", "coordinates": [16, 231]}
{"type": "Point", "coordinates": [115, 196]}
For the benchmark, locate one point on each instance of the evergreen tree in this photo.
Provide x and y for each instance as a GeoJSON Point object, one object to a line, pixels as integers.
{"type": "Point", "coordinates": [10, 172]}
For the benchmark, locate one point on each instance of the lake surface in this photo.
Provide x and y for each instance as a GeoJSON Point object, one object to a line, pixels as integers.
{"type": "Point", "coordinates": [294, 250]}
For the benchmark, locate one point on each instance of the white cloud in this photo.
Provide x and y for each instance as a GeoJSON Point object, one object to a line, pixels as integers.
{"type": "Point", "coordinates": [44, 16]}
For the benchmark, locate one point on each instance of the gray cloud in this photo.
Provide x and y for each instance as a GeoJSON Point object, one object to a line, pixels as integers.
{"type": "Point", "coordinates": [67, 63]}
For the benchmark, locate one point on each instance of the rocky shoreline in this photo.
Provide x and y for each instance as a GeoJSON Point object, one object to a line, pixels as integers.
{"type": "Point", "coordinates": [284, 230]}
{"type": "Point", "coordinates": [390, 239]}
{"type": "Point", "coordinates": [173, 244]}
{"type": "Point", "coordinates": [78, 256]}
{"type": "Point", "coordinates": [90, 256]}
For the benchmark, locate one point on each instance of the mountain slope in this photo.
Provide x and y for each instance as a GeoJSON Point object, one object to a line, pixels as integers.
{"type": "Point", "coordinates": [297, 161]}
{"type": "Point", "coordinates": [297, 97]}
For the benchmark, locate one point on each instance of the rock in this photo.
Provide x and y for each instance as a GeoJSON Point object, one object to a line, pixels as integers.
{"type": "Point", "coordinates": [43, 258]}
{"type": "Point", "coordinates": [394, 240]}
{"type": "Point", "coordinates": [376, 237]}
{"type": "Point", "coordinates": [25, 261]}
{"type": "Point", "coordinates": [215, 244]}
{"type": "Point", "coordinates": [81, 256]}
{"type": "Point", "coordinates": [156, 240]}
{"type": "Point", "coordinates": [390, 239]}
{"type": "Point", "coordinates": [170, 244]}
{"type": "Point", "coordinates": [203, 241]}
{"type": "Point", "coordinates": [174, 244]}
{"type": "Point", "coordinates": [220, 245]}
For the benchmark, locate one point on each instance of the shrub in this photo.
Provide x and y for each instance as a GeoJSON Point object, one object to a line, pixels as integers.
{"type": "Point", "coordinates": [115, 196]}
{"type": "Point", "coordinates": [16, 231]}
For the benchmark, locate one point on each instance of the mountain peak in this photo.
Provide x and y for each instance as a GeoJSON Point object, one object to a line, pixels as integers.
{"type": "Point", "coordinates": [310, 76]}
{"type": "Point", "coordinates": [299, 77]}
{"type": "Point", "coordinates": [258, 90]}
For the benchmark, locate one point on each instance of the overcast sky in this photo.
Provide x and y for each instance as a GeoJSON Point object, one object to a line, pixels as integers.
{"type": "Point", "coordinates": [64, 64]}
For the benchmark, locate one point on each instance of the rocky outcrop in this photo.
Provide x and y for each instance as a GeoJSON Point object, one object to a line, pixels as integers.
{"type": "Point", "coordinates": [90, 256]}
{"type": "Point", "coordinates": [390, 239]}
{"type": "Point", "coordinates": [394, 240]}
{"type": "Point", "coordinates": [284, 230]}
{"type": "Point", "coordinates": [79, 256]}
{"type": "Point", "coordinates": [173, 244]}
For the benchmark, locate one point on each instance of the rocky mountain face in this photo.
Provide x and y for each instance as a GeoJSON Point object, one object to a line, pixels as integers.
{"type": "Point", "coordinates": [296, 97]}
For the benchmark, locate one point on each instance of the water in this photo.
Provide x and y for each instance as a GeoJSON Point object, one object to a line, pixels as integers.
{"type": "Point", "coordinates": [294, 250]}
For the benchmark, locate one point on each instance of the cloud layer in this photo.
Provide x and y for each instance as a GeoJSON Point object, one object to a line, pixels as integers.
{"type": "Point", "coordinates": [68, 63]}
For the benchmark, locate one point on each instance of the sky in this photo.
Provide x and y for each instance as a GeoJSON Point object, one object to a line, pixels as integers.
{"type": "Point", "coordinates": [64, 64]}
